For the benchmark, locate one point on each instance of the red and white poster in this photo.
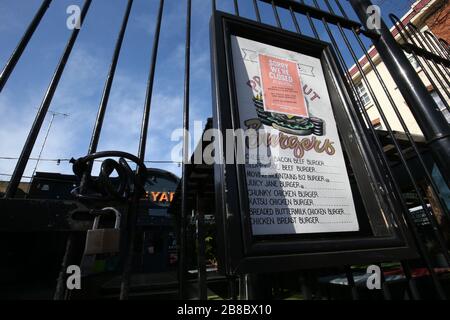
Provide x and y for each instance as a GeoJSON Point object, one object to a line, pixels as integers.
{"type": "Point", "coordinates": [282, 86]}
{"type": "Point", "coordinates": [305, 187]}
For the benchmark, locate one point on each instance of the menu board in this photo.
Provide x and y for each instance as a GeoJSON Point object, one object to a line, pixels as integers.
{"type": "Point", "coordinates": [305, 188]}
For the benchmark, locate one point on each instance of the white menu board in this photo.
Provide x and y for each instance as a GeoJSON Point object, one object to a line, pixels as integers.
{"type": "Point", "coordinates": [306, 187]}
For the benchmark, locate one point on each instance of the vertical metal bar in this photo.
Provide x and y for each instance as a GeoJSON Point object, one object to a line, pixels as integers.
{"type": "Point", "coordinates": [213, 6]}
{"type": "Point", "coordinates": [236, 7]}
{"type": "Point", "coordinates": [60, 284]}
{"type": "Point", "coordinates": [432, 48]}
{"type": "Point", "coordinates": [423, 43]}
{"type": "Point", "coordinates": [398, 24]}
{"type": "Point", "coordinates": [403, 124]}
{"type": "Point", "coordinates": [11, 63]}
{"type": "Point", "coordinates": [277, 17]}
{"type": "Point", "coordinates": [184, 178]}
{"type": "Point", "coordinates": [385, 286]}
{"type": "Point", "coordinates": [294, 19]}
{"type": "Point", "coordinates": [330, 8]}
{"type": "Point", "coordinates": [316, 4]}
{"type": "Point", "coordinates": [392, 102]}
{"type": "Point", "coordinates": [149, 95]}
{"type": "Point", "coordinates": [445, 46]}
{"type": "Point", "coordinates": [351, 283]}
{"type": "Point", "coordinates": [43, 145]}
{"type": "Point", "coordinates": [441, 70]}
{"type": "Point", "coordinates": [305, 286]}
{"type": "Point", "coordinates": [311, 23]}
{"type": "Point", "coordinates": [109, 81]}
{"type": "Point", "coordinates": [106, 91]}
{"type": "Point", "coordinates": [201, 260]}
{"type": "Point", "coordinates": [132, 219]}
{"type": "Point", "coordinates": [402, 31]}
{"type": "Point", "coordinates": [243, 287]}
{"type": "Point", "coordinates": [255, 6]}
{"type": "Point", "coordinates": [431, 39]}
{"type": "Point", "coordinates": [258, 286]}
{"type": "Point", "coordinates": [420, 245]}
{"type": "Point", "coordinates": [411, 281]}
{"type": "Point", "coordinates": [431, 121]}
{"type": "Point", "coordinates": [432, 219]}
{"type": "Point", "coordinates": [396, 110]}
{"type": "Point", "coordinates": [341, 9]}
{"type": "Point", "coordinates": [232, 290]}
{"type": "Point", "coordinates": [40, 117]}
{"type": "Point", "coordinates": [408, 217]}
{"type": "Point", "coordinates": [436, 44]}
{"type": "Point", "coordinates": [344, 66]}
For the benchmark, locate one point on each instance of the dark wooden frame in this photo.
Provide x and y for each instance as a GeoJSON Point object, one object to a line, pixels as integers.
{"type": "Point", "coordinates": [240, 251]}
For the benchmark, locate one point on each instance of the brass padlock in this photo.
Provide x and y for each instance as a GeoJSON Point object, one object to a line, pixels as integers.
{"type": "Point", "coordinates": [100, 241]}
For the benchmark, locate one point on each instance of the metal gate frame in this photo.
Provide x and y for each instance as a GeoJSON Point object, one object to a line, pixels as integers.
{"type": "Point", "coordinates": [430, 51]}
{"type": "Point", "coordinates": [250, 254]}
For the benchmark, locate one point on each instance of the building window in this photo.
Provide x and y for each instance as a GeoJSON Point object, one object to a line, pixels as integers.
{"type": "Point", "coordinates": [441, 105]}
{"type": "Point", "coordinates": [363, 94]}
{"type": "Point", "coordinates": [413, 60]}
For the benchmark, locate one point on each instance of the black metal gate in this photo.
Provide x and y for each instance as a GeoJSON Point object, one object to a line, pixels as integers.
{"type": "Point", "coordinates": [417, 168]}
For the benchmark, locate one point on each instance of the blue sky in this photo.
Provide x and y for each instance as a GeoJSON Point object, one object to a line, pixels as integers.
{"type": "Point", "coordinates": [82, 83]}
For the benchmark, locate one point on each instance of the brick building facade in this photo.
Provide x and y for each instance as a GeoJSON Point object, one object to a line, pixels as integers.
{"type": "Point", "coordinates": [439, 21]}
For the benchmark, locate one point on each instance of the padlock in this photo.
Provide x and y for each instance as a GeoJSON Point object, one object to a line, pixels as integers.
{"type": "Point", "coordinates": [100, 241]}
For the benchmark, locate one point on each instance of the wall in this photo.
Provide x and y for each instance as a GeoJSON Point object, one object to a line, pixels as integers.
{"type": "Point", "coordinates": [439, 21]}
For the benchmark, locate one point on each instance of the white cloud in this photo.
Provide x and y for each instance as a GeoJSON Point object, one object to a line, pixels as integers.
{"type": "Point", "coordinates": [80, 91]}
{"type": "Point", "coordinates": [8, 20]}
{"type": "Point", "coordinates": [79, 95]}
